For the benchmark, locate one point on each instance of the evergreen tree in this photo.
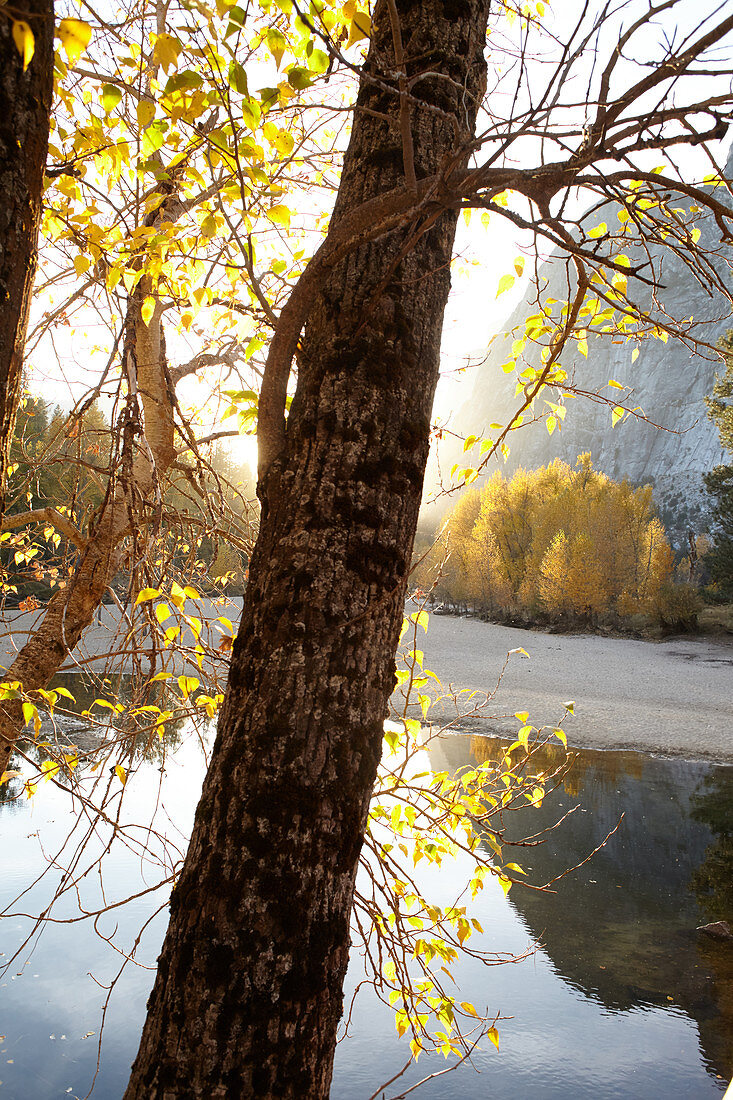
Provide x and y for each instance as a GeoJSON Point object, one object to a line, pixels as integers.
{"type": "Point", "coordinates": [719, 482]}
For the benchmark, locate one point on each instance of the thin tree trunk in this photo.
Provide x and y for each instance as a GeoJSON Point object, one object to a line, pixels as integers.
{"type": "Point", "coordinates": [131, 497]}
{"type": "Point", "coordinates": [248, 993]}
{"type": "Point", "coordinates": [25, 106]}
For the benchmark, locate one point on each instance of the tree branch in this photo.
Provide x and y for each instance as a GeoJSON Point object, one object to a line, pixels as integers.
{"type": "Point", "coordinates": [45, 515]}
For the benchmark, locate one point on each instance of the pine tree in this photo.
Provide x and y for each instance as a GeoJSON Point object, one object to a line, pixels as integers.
{"type": "Point", "coordinates": [719, 482]}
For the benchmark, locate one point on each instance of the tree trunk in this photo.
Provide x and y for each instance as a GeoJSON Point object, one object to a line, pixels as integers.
{"type": "Point", "coordinates": [25, 106]}
{"type": "Point", "coordinates": [131, 497]}
{"type": "Point", "coordinates": [248, 993]}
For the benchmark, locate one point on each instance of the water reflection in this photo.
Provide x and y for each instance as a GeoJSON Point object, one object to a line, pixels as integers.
{"type": "Point", "coordinates": [622, 928]}
{"type": "Point", "coordinates": [619, 934]}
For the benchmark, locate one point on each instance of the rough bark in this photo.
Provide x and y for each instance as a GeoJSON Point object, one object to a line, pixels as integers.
{"type": "Point", "coordinates": [25, 106]}
{"type": "Point", "coordinates": [248, 993]}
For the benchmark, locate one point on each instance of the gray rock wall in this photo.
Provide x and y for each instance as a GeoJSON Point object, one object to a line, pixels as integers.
{"type": "Point", "coordinates": [669, 381]}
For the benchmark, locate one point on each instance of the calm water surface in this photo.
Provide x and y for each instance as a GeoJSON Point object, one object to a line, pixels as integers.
{"type": "Point", "coordinates": [624, 1000]}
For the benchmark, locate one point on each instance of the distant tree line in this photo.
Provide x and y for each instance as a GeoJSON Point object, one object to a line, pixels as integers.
{"type": "Point", "coordinates": [559, 544]}
{"type": "Point", "coordinates": [59, 468]}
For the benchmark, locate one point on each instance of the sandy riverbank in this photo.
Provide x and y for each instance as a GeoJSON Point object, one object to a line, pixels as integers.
{"type": "Point", "coordinates": [673, 697]}
{"type": "Point", "coordinates": [108, 646]}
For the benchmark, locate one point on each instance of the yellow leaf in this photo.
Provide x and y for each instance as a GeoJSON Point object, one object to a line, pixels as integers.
{"type": "Point", "coordinates": [146, 594]}
{"type": "Point", "coordinates": [519, 265]}
{"type": "Point", "coordinates": [121, 774]}
{"type": "Point", "coordinates": [187, 684]}
{"type": "Point", "coordinates": [617, 414]}
{"type": "Point", "coordinates": [598, 231]}
{"type": "Point", "coordinates": [111, 96]}
{"type": "Point", "coordinates": [493, 1034]}
{"type": "Point", "coordinates": [166, 50]}
{"type": "Point", "coordinates": [522, 716]}
{"type": "Point", "coordinates": [505, 282]}
{"type": "Point", "coordinates": [389, 970]}
{"type": "Point", "coordinates": [280, 215]}
{"type": "Point", "coordinates": [24, 41]}
{"type": "Point", "coordinates": [81, 264]}
{"type": "Point", "coordinates": [148, 309]}
{"type": "Point", "coordinates": [469, 1008]}
{"type": "Point", "coordinates": [75, 36]}
{"type": "Point", "coordinates": [561, 737]}
{"type": "Point", "coordinates": [145, 113]}
{"type": "Point", "coordinates": [616, 385]}
{"type": "Point", "coordinates": [361, 27]}
{"type": "Point", "coordinates": [634, 355]}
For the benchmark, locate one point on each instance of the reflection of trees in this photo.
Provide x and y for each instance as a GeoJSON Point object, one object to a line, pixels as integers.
{"type": "Point", "coordinates": [131, 737]}
{"type": "Point", "coordinates": [621, 929]}
{"type": "Point", "coordinates": [712, 884]}
{"type": "Point", "coordinates": [713, 879]}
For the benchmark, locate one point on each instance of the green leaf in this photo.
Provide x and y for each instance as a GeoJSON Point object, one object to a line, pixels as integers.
{"type": "Point", "coordinates": [299, 78]}
{"type": "Point", "coordinates": [154, 137]}
{"type": "Point", "coordinates": [318, 61]}
{"type": "Point", "coordinates": [237, 19]}
{"type": "Point", "coordinates": [111, 96]}
{"type": "Point", "coordinates": [238, 78]}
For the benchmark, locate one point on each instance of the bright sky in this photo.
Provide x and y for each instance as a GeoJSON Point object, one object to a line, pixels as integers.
{"type": "Point", "coordinates": [474, 314]}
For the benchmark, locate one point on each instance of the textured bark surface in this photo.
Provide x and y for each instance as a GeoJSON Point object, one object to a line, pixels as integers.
{"type": "Point", "coordinates": [249, 986]}
{"type": "Point", "coordinates": [25, 105]}
{"type": "Point", "coordinates": [131, 499]}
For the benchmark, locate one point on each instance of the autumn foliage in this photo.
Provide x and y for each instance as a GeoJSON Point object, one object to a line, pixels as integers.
{"type": "Point", "coordinates": [562, 543]}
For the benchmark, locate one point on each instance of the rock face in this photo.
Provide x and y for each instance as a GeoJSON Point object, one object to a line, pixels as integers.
{"type": "Point", "coordinates": [669, 383]}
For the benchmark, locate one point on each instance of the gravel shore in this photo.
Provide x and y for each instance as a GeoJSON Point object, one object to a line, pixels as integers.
{"type": "Point", "coordinates": [673, 697]}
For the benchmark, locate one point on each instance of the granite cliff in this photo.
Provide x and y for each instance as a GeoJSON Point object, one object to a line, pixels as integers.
{"type": "Point", "coordinates": [669, 382]}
